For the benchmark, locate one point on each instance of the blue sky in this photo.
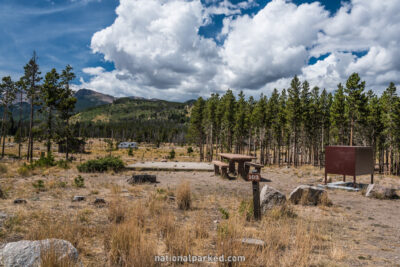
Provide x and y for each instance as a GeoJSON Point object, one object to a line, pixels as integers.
{"type": "Point", "coordinates": [215, 52]}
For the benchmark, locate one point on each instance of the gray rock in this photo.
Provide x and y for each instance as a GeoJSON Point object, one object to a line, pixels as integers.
{"type": "Point", "coordinates": [99, 201]}
{"type": "Point", "coordinates": [253, 242]}
{"type": "Point", "coordinates": [164, 160]}
{"type": "Point", "coordinates": [309, 195]}
{"type": "Point", "coordinates": [381, 192]}
{"type": "Point", "coordinates": [19, 201]}
{"type": "Point", "coordinates": [270, 197]}
{"type": "Point", "coordinates": [143, 178]}
{"type": "Point", "coordinates": [78, 198]}
{"type": "Point", "coordinates": [27, 253]}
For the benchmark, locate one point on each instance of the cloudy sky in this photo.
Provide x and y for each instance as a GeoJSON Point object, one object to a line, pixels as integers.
{"type": "Point", "coordinates": [178, 50]}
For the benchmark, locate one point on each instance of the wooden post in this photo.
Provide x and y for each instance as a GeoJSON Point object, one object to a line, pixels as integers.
{"type": "Point", "coordinates": [372, 178]}
{"type": "Point", "coordinates": [255, 178]}
{"type": "Point", "coordinates": [344, 178]}
{"type": "Point", "coordinates": [241, 169]}
{"type": "Point", "coordinates": [354, 185]}
{"type": "Point", "coordinates": [231, 166]}
{"type": "Point", "coordinates": [326, 178]}
{"type": "Point", "coordinates": [256, 200]}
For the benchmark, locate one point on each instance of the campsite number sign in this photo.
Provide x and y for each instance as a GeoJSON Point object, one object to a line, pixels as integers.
{"type": "Point", "coordinates": [253, 177]}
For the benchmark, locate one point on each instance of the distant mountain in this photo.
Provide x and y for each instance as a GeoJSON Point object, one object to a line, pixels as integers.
{"type": "Point", "coordinates": [134, 109]}
{"type": "Point", "coordinates": [87, 98]}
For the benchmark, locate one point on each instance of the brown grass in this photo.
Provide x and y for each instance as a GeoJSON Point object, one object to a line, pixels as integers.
{"type": "Point", "coordinates": [130, 245]}
{"type": "Point", "coordinates": [183, 196]}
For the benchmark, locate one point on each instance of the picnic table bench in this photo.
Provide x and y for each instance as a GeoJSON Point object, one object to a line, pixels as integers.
{"type": "Point", "coordinates": [220, 165]}
{"type": "Point", "coordinates": [249, 164]}
{"type": "Point", "coordinates": [240, 159]}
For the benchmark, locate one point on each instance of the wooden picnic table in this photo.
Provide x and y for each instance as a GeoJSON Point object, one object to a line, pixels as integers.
{"type": "Point", "coordinates": [240, 159]}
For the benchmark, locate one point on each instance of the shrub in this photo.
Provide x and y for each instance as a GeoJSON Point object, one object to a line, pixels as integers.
{"type": "Point", "coordinates": [63, 164]}
{"type": "Point", "coordinates": [44, 161]}
{"type": "Point", "coordinates": [130, 152]}
{"type": "Point", "coordinates": [102, 165]}
{"type": "Point", "coordinates": [224, 213]}
{"type": "Point", "coordinates": [189, 150]}
{"type": "Point", "coordinates": [172, 154]}
{"type": "Point", "coordinates": [79, 181]}
{"type": "Point", "coordinates": [3, 168]}
{"type": "Point", "coordinates": [23, 170]}
{"type": "Point", "coordinates": [183, 196]}
{"type": "Point", "coordinates": [246, 209]}
{"type": "Point", "coordinates": [39, 185]}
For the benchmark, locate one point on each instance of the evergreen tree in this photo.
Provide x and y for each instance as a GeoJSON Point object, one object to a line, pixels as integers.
{"type": "Point", "coordinates": [241, 122]}
{"type": "Point", "coordinates": [65, 107]}
{"type": "Point", "coordinates": [388, 101]}
{"type": "Point", "coordinates": [32, 77]}
{"type": "Point", "coordinates": [294, 112]}
{"type": "Point", "coordinates": [21, 88]}
{"type": "Point", "coordinates": [196, 129]}
{"type": "Point", "coordinates": [355, 99]}
{"type": "Point", "coordinates": [8, 92]}
{"type": "Point", "coordinates": [259, 122]}
{"type": "Point", "coordinates": [339, 119]}
{"type": "Point", "coordinates": [228, 102]}
{"type": "Point", "coordinates": [50, 96]}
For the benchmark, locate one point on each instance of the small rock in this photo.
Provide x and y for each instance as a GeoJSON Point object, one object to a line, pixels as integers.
{"type": "Point", "coordinates": [270, 197]}
{"type": "Point", "coordinates": [99, 201]}
{"type": "Point", "coordinates": [172, 198]}
{"type": "Point", "coordinates": [27, 253]}
{"type": "Point", "coordinates": [380, 192]}
{"type": "Point", "coordinates": [19, 201]}
{"type": "Point", "coordinates": [144, 178]}
{"type": "Point", "coordinates": [78, 198]}
{"type": "Point", "coordinates": [309, 195]}
{"type": "Point", "coordinates": [216, 221]}
{"type": "Point", "coordinates": [164, 160]}
{"type": "Point", "coordinates": [253, 242]}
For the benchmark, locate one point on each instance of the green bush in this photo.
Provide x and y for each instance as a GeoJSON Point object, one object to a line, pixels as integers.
{"type": "Point", "coordinates": [63, 164]}
{"type": "Point", "coordinates": [101, 165]}
{"type": "Point", "coordinates": [44, 161]}
{"type": "Point", "coordinates": [246, 209]}
{"type": "Point", "coordinates": [23, 170]}
{"type": "Point", "coordinates": [172, 154]}
{"type": "Point", "coordinates": [3, 168]}
{"type": "Point", "coordinates": [79, 181]}
{"type": "Point", "coordinates": [189, 150]}
{"type": "Point", "coordinates": [39, 185]}
{"type": "Point", "coordinates": [224, 213]}
{"type": "Point", "coordinates": [130, 152]}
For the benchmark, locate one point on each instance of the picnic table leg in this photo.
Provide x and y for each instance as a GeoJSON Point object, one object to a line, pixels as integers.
{"type": "Point", "coordinates": [216, 170]}
{"type": "Point", "coordinates": [241, 169]}
{"type": "Point", "coordinates": [246, 169]}
{"type": "Point", "coordinates": [231, 166]}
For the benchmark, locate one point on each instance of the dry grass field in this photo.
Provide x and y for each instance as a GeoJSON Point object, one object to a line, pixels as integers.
{"type": "Point", "coordinates": [194, 213]}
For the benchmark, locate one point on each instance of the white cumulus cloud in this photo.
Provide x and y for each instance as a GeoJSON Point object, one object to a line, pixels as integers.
{"type": "Point", "coordinates": [157, 50]}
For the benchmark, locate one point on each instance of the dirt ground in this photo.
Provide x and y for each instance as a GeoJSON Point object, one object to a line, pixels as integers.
{"type": "Point", "coordinates": [359, 231]}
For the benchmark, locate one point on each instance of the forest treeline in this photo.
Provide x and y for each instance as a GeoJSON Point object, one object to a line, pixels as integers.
{"type": "Point", "coordinates": [37, 108]}
{"type": "Point", "coordinates": [293, 126]}
{"type": "Point", "coordinates": [51, 96]}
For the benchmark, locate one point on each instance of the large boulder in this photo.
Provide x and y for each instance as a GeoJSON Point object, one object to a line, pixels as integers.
{"type": "Point", "coordinates": [27, 253]}
{"type": "Point", "coordinates": [309, 195]}
{"type": "Point", "coordinates": [143, 178]}
{"type": "Point", "coordinates": [381, 192]}
{"type": "Point", "coordinates": [270, 197]}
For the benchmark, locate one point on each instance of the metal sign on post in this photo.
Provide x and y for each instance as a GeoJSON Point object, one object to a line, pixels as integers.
{"type": "Point", "coordinates": [255, 178]}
